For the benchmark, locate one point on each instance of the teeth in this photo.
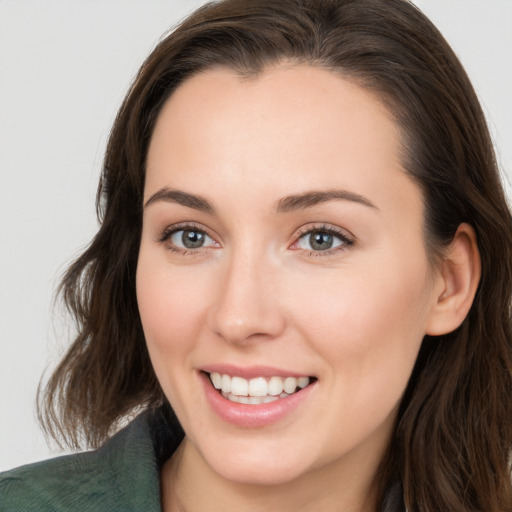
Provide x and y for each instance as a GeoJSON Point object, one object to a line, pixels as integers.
{"type": "Point", "coordinates": [275, 386]}
{"type": "Point", "coordinates": [239, 386]}
{"type": "Point", "coordinates": [290, 384]}
{"type": "Point", "coordinates": [252, 400]}
{"type": "Point", "coordinates": [258, 387]}
{"type": "Point", "coordinates": [226, 383]}
{"type": "Point", "coordinates": [216, 379]}
{"type": "Point", "coordinates": [302, 382]}
{"type": "Point", "coordinates": [258, 390]}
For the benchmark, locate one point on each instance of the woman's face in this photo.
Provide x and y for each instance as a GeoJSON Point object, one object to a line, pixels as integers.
{"type": "Point", "coordinates": [282, 245]}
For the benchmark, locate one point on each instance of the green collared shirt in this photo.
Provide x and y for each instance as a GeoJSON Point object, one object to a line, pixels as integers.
{"type": "Point", "coordinates": [122, 475]}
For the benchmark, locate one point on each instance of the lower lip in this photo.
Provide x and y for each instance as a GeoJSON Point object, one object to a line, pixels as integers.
{"type": "Point", "coordinates": [251, 416]}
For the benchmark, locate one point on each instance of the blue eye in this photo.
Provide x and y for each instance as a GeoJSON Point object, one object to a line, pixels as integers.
{"type": "Point", "coordinates": [322, 240]}
{"type": "Point", "coordinates": [190, 239]}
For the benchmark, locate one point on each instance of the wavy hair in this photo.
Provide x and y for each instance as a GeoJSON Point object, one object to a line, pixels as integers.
{"type": "Point", "coordinates": [453, 434]}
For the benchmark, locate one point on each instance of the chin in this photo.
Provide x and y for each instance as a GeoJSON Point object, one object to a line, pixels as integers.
{"type": "Point", "coordinates": [257, 465]}
{"type": "Point", "coordinates": [265, 474]}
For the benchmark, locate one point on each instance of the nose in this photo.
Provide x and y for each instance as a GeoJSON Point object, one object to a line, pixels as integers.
{"type": "Point", "coordinates": [246, 305]}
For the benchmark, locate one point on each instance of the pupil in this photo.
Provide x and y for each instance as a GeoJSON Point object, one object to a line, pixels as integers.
{"type": "Point", "coordinates": [320, 241]}
{"type": "Point", "coordinates": [192, 239]}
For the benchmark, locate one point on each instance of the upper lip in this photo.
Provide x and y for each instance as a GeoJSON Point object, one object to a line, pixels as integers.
{"type": "Point", "coordinates": [251, 372]}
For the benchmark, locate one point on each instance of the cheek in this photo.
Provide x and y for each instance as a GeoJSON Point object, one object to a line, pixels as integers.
{"type": "Point", "coordinates": [357, 305]}
{"type": "Point", "coordinates": [170, 306]}
{"type": "Point", "coordinates": [369, 324]}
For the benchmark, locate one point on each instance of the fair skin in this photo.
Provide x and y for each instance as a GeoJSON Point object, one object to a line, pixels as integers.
{"type": "Point", "coordinates": [282, 238]}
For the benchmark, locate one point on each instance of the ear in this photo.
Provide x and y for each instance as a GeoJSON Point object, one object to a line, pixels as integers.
{"type": "Point", "coordinates": [456, 283]}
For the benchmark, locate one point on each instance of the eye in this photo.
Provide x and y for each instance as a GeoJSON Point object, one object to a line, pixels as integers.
{"type": "Point", "coordinates": [190, 239]}
{"type": "Point", "coordinates": [187, 238]}
{"type": "Point", "coordinates": [323, 239]}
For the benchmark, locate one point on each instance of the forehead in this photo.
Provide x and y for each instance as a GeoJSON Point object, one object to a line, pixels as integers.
{"type": "Point", "coordinates": [290, 129]}
{"type": "Point", "coordinates": [284, 98]}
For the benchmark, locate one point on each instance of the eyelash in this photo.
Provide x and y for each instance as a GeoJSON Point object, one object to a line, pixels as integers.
{"type": "Point", "coordinates": [346, 240]}
{"type": "Point", "coordinates": [169, 232]}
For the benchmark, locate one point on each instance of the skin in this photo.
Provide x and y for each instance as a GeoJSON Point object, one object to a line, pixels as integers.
{"type": "Point", "coordinates": [256, 294]}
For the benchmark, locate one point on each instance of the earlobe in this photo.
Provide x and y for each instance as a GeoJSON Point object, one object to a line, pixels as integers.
{"type": "Point", "coordinates": [458, 279]}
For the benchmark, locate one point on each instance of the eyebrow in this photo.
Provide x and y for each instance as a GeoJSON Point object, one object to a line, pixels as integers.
{"type": "Point", "coordinates": [183, 198]}
{"type": "Point", "coordinates": [310, 199]}
{"type": "Point", "coordinates": [284, 205]}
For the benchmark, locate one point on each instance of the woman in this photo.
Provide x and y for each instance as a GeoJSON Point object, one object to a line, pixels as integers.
{"type": "Point", "coordinates": [302, 278]}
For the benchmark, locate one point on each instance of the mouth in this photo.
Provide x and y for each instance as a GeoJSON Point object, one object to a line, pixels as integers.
{"type": "Point", "coordinates": [258, 390]}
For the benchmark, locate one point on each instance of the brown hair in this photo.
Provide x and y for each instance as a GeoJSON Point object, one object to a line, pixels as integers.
{"type": "Point", "coordinates": [454, 430]}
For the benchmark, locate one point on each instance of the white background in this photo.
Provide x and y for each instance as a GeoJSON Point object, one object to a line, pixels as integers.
{"type": "Point", "coordinates": [64, 68]}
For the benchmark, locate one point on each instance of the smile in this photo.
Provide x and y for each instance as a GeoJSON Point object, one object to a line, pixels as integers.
{"type": "Point", "coordinates": [258, 390]}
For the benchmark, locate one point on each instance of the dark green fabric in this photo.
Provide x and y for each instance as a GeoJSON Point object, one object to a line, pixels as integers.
{"type": "Point", "coordinates": [122, 475]}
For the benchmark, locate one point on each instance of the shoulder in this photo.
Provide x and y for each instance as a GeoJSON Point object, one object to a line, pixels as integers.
{"type": "Point", "coordinates": [63, 483]}
{"type": "Point", "coordinates": [121, 475]}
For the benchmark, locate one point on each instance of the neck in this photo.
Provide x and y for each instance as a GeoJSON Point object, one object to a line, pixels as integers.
{"type": "Point", "coordinates": [189, 484]}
